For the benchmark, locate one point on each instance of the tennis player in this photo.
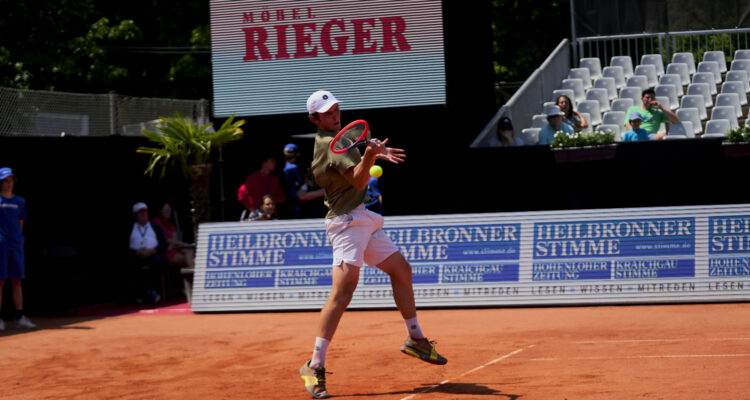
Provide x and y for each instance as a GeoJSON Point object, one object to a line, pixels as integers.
{"type": "Point", "coordinates": [357, 238]}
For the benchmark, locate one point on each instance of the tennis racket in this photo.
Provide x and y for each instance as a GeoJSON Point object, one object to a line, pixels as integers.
{"type": "Point", "coordinates": [345, 139]}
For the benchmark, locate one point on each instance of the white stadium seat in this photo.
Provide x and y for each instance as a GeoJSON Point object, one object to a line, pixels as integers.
{"type": "Point", "coordinates": [712, 67]}
{"type": "Point", "coordinates": [614, 118]}
{"type": "Point", "coordinates": [621, 104]}
{"type": "Point", "coordinates": [656, 61]}
{"type": "Point", "coordinates": [625, 62]}
{"type": "Point", "coordinates": [587, 117]}
{"type": "Point", "coordinates": [717, 127]}
{"type": "Point", "coordinates": [743, 54]}
{"type": "Point", "coordinates": [668, 91]}
{"type": "Point", "coordinates": [617, 73]}
{"type": "Point", "coordinates": [691, 114]}
{"type": "Point", "coordinates": [600, 95]}
{"type": "Point", "coordinates": [707, 78]}
{"type": "Point", "coordinates": [730, 99]}
{"type": "Point", "coordinates": [735, 87]}
{"type": "Point", "coordinates": [703, 90]}
{"type": "Point", "coordinates": [685, 58]}
{"type": "Point", "coordinates": [739, 76]}
{"type": "Point", "coordinates": [607, 83]}
{"type": "Point", "coordinates": [672, 79]}
{"type": "Point", "coordinates": [682, 128]}
{"type": "Point", "coordinates": [726, 112]}
{"type": "Point", "coordinates": [593, 65]}
{"type": "Point", "coordinates": [568, 92]}
{"type": "Point", "coordinates": [680, 69]}
{"type": "Point", "coordinates": [591, 107]}
{"type": "Point", "coordinates": [530, 136]}
{"type": "Point", "coordinates": [695, 101]}
{"type": "Point", "coordinates": [649, 71]}
{"type": "Point", "coordinates": [639, 81]}
{"type": "Point", "coordinates": [576, 85]}
{"type": "Point", "coordinates": [632, 93]}
{"type": "Point", "coordinates": [582, 74]}
{"type": "Point", "coordinates": [717, 56]}
{"type": "Point", "coordinates": [539, 120]}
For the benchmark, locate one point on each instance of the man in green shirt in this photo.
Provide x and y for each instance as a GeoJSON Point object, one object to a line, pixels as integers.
{"type": "Point", "coordinates": [357, 237]}
{"type": "Point", "coordinates": [653, 114]}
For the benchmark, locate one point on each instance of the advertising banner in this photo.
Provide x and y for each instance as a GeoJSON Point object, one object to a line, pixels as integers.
{"type": "Point", "coordinates": [675, 254]}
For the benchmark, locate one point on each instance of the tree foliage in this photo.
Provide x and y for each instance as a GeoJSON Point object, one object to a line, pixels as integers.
{"type": "Point", "coordinates": [150, 48]}
{"type": "Point", "coordinates": [524, 33]}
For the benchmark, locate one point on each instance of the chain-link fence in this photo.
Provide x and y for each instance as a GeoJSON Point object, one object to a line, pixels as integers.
{"type": "Point", "coordinates": [44, 113]}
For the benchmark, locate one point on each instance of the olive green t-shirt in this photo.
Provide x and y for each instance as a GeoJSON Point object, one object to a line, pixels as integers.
{"type": "Point", "coordinates": [329, 167]}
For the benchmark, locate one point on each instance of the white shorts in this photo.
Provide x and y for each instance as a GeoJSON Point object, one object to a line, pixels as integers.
{"type": "Point", "coordinates": [358, 238]}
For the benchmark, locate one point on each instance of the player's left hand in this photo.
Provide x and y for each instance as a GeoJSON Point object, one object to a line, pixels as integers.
{"type": "Point", "coordinates": [382, 152]}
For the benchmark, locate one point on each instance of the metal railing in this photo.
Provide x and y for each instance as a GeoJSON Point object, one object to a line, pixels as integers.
{"type": "Point", "coordinates": [664, 43]}
{"type": "Point", "coordinates": [531, 95]}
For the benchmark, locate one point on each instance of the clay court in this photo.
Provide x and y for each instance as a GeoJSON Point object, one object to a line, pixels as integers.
{"type": "Point", "coordinates": [606, 352]}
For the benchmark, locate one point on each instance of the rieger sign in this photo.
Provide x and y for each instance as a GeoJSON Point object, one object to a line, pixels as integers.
{"type": "Point", "coordinates": [268, 56]}
{"type": "Point", "coordinates": [563, 257]}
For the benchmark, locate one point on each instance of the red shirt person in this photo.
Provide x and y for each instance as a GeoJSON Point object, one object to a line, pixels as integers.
{"type": "Point", "coordinates": [259, 184]}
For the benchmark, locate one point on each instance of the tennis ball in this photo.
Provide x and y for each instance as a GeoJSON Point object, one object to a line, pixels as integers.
{"type": "Point", "coordinates": [376, 171]}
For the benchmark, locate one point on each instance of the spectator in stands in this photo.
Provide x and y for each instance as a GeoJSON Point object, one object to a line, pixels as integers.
{"type": "Point", "coordinates": [376, 197]}
{"type": "Point", "coordinates": [311, 197]}
{"type": "Point", "coordinates": [504, 135]}
{"type": "Point", "coordinates": [265, 212]}
{"type": "Point", "coordinates": [293, 178]}
{"type": "Point", "coordinates": [636, 132]}
{"type": "Point", "coordinates": [652, 113]}
{"type": "Point", "coordinates": [146, 259]}
{"type": "Point", "coordinates": [260, 183]}
{"type": "Point", "coordinates": [571, 117]}
{"type": "Point", "coordinates": [555, 124]}
{"type": "Point", "coordinates": [12, 263]}
{"type": "Point", "coordinates": [178, 253]}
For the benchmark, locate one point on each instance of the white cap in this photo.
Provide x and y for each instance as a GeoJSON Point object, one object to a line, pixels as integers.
{"type": "Point", "coordinates": [320, 101]}
{"type": "Point", "coordinates": [554, 111]}
{"type": "Point", "coordinates": [139, 206]}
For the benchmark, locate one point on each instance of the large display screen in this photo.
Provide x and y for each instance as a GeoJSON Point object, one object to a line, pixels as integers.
{"type": "Point", "coordinates": [269, 56]}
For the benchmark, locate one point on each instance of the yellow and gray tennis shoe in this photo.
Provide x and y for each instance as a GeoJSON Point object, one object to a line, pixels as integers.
{"type": "Point", "coordinates": [315, 381]}
{"type": "Point", "coordinates": [422, 349]}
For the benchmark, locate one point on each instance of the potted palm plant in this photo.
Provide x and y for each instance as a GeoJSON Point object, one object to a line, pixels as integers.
{"type": "Point", "coordinates": [186, 145]}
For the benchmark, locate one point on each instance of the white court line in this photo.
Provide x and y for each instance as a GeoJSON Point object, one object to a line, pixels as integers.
{"type": "Point", "coordinates": [658, 340]}
{"type": "Point", "coordinates": [511, 354]}
{"type": "Point", "coordinates": [647, 357]}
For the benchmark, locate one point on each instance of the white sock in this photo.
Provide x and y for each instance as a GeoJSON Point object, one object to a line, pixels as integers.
{"type": "Point", "coordinates": [319, 353]}
{"type": "Point", "coordinates": [413, 328]}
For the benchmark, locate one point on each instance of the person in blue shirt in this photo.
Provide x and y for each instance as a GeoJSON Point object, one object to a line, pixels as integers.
{"type": "Point", "coordinates": [636, 132]}
{"type": "Point", "coordinates": [12, 263]}
{"type": "Point", "coordinates": [555, 124]}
